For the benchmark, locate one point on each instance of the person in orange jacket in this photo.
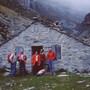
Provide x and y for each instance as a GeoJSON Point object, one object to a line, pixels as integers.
{"type": "Point", "coordinates": [22, 61]}
{"type": "Point", "coordinates": [35, 63]}
{"type": "Point", "coordinates": [51, 56]}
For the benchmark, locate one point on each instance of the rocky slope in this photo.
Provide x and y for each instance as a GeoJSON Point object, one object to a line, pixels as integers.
{"type": "Point", "coordinates": [84, 30]}
{"type": "Point", "coordinates": [11, 24]}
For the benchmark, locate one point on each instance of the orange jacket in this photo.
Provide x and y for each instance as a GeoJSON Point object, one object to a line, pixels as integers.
{"type": "Point", "coordinates": [34, 60]}
{"type": "Point", "coordinates": [51, 55]}
{"type": "Point", "coordinates": [24, 57]}
{"type": "Point", "coordinates": [8, 57]}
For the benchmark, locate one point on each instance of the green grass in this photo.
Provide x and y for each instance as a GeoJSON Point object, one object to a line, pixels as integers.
{"type": "Point", "coordinates": [47, 82]}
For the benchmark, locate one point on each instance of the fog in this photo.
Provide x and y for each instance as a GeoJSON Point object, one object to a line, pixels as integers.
{"type": "Point", "coordinates": [75, 9]}
{"type": "Point", "coordinates": [68, 12]}
{"type": "Point", "coordinates": [82, 6]}
{"type": "Point", "coordinates": [71, 8]}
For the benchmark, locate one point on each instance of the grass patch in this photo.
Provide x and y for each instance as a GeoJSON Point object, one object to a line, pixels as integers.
{"type": "Point", "coordinates": [47, 82]}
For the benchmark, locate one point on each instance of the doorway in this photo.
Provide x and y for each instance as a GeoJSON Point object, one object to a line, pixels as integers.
{"type": "Point", "coordinates": [36, 48]}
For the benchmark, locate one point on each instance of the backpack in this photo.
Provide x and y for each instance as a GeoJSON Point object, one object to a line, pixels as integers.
{"type": "Point", "coordinates": [8, 58]}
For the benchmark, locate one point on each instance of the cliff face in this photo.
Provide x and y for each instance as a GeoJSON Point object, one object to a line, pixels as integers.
{"type": "Point", "coordinates": [11, 24]}
{"type": "Point", "coordinates": [68, 13]}
{"type": "Point", "coordinates": [65, 12]}
{"type": "Point", "coordinates": [50, 9]}
{"type": "Point", "coordinates": [54, 11]}
{"type": "Point", "coordinates": [84, 29]}
{"type": "Point", "coordinates": [86, 21]}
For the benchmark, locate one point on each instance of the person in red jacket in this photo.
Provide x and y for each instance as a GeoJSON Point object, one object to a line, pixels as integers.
{"type": "Point", "coordinates": [22, 61]}
{"type": "Point", "coordinates": [42, 58]}
{"type": "Point", "coordinates": [35, 63]}
{"type": "Point", "coordinates": [51, 57]}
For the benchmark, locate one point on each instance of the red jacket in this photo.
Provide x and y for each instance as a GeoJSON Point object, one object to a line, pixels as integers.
{"type": "Point", "coordinates": [42, 57]}
{"type": "Point", "coordinates": [34, 60]}
{"type": "Point", "coordinates": [24, 57]}
{"type": "Point", "coordinates": [51, 55]}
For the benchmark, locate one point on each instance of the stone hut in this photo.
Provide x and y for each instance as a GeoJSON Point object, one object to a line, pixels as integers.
{"type": "Point", "coordinates": [72, 55]}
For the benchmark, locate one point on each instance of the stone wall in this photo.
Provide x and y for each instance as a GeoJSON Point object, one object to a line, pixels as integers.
{"type": "Point", "coordinates": [74, 55]}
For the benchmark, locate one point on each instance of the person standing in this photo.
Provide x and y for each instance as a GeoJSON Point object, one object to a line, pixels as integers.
{"type": "Point", "coordinates": [51, 57]}
{"type": "Point", "coordinates": [22, 61]}
{"type": "Point", "coordinates": [13, 60]}
{"type": "Point", "coordinates": [42, 59]}
{"type": "Point", "coordinates": [35, 63]}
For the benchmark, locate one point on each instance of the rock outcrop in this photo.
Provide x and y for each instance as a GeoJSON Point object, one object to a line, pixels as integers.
{"type": "Point", "coordinates": [84, 30]}
{"type": "Point", "coordinates": [86, 21]}
{"type": "Point", "coordinates": [11, 24]}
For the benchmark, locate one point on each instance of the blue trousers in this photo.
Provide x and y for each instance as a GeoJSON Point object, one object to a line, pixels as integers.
{"type": "Point", "coordinates": [51, 66]}
{"type": "Point", "coordinates": [13, 69]}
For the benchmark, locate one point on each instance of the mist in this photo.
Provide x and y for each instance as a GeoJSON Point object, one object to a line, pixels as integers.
{"type": "Point", "coordinates": [82, 6]}
{"type": "Point", "coordinates": [69, 12]}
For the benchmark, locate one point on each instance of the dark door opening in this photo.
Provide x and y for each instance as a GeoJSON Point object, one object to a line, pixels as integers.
{"type": "Point", "coordinates": [36, 48]}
